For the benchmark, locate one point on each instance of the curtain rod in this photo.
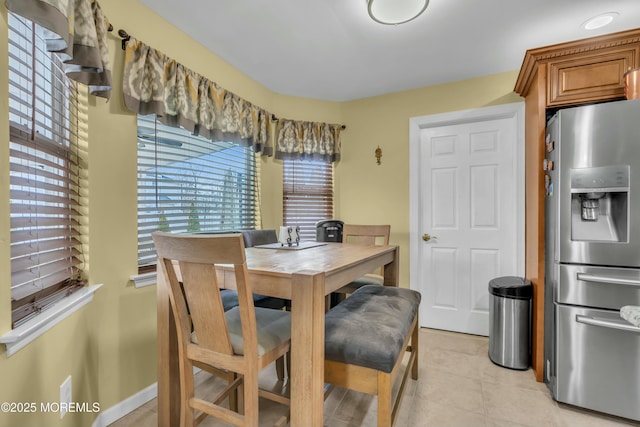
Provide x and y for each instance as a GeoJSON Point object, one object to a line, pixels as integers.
{"type": "Point", "coordinates": [125, 38]}
{"type": "Point", "coordinates": [275, 119]}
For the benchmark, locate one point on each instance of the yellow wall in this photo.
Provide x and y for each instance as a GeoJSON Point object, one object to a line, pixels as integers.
{"type": "Point", "coordinates": [109, 346]}
{"type": "Point", "coordinates": [368, 193]}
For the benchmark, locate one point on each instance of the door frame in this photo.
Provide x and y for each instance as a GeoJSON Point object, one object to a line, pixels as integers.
{"type": "Point", "coordinates": [514, 112]}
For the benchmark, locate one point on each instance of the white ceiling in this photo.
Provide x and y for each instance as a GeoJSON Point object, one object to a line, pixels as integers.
{"type": "Point", "coordinates": [332, 50]}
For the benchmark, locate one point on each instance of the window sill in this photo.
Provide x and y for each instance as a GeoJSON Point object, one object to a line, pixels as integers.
{"type": "Point", "coordinates": [145, 279]}
{"type": "Point", "coordinates": [22, 335]}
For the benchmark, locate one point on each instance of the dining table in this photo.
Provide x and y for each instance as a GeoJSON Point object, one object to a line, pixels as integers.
{"type": "Point", "coordinates": [304, 274]}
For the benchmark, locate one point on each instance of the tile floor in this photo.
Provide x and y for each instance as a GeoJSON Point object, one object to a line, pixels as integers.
{"type": "Point", "coordinates": [457, 386]}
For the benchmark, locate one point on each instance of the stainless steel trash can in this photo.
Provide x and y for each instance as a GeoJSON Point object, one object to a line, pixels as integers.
{"type": "Point", "coordinates": [510, 322]}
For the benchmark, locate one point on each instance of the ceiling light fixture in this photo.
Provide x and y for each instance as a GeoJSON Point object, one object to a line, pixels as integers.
{"type": "Point", "coordinates": [394, 12]}
{"type": "Point", "coordinates": [599, 21]}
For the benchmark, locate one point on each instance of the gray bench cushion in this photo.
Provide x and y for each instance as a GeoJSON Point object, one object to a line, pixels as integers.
{"type": "Point", "coordinates": [368, 328]}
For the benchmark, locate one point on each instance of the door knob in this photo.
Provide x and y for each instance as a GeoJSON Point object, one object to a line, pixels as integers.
{"type": "Point", "coordinates": [426, 237]}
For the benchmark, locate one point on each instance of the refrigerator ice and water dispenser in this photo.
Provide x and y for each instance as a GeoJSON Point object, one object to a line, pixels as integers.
{"type": "Point", "coordinates": [599, 204]}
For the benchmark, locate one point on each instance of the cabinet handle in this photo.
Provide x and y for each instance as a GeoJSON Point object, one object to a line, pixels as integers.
{"type": "Point", "coordinates": [605, 279]}
{"type": "Point", "coordinates": [607, 324]}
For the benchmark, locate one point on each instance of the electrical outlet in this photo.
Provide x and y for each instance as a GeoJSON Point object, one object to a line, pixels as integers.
{"type": "Point", "coordinates": [65, 396]}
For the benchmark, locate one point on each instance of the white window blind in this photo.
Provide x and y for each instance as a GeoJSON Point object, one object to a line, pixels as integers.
{"type": "Point", "coordinates": [307, 195]}
{"type": "Point", "coordinates": [189, 184]}
{"type": "Point", "coordinates": [46, 255]}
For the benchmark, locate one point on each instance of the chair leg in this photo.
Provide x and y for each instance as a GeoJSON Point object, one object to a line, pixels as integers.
{"type": "Point", "coordinates": [415, 347]}
{"type": "Point", "coordinates": [287, 358]}
{"type": "Point", "coordinates": [384, 400]}
{"type": "Point", "coordinates": [240, 394]}
{"type": "Point", "coordinates": [251, 398]}
{"type": "Point", "coordinates": [186, 393]}
{"type": "Point", "coordinates": [280, 368]}
{"type": "Point", "coordinates": [233, 397]}
{"type": "Point", "coordinates": [337, 298]}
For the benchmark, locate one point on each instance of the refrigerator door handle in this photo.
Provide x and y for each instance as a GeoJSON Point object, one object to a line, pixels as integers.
{"type": "Point", "coordinates": [587, 320]}
{"type": "Point", "coordinates": [605, 279]}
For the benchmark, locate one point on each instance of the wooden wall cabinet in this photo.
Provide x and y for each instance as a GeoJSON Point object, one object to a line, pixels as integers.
{"type": "Point", "coordinates": [575, 73]}
{"type": "Point", "coordinates": [590, 77]}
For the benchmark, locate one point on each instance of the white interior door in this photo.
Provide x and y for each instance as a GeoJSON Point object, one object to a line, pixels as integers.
{"type": "Point", "coordinates": [468, 225]}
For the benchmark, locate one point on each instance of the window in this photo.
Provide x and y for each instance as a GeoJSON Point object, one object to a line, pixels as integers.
{"type": "Point", "coordinates": [46, 249]}
{"type": "Point", "coordinates": [190, 184]}
{"type": "Point", "coordinates": [307, 195]}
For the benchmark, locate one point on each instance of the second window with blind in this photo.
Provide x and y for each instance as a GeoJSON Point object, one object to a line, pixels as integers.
{"type": "Point", "coordinates": [307, 195]}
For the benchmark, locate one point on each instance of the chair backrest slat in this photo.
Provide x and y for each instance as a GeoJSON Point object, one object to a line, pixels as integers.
{"type": "Point", "coordinates": [205, 305]}
{"type": "Point", "coordinates": [259, 237]}
{"type": "Point", "coordinates": [366, 234]}
{"type": "Point", "coordinates": [201, 248]}
{"type": "Point", "coordinates": [178, 305]}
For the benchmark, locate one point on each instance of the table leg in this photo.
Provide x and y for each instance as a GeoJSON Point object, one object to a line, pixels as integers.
{"type": "Point", "coordinates": [392, 270]}
{"type": "Point", "coordinates": [168, 368]}
{"type": "Point", "coordinates": [307, 349]}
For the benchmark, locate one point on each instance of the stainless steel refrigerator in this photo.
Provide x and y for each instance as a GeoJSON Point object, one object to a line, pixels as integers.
{"type": "Point", "coordinates": [592, 256]}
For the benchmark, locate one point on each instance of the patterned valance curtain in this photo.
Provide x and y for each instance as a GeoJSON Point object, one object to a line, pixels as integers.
{"type": "Point", "coordinates": [77, 30]}
{"type": "Point", "coordinates": [307, 141]}
{"type": "Point", "coordinates": [178, 96]}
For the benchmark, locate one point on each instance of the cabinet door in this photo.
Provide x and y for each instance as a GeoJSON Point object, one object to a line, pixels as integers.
{"type": "Point", "coordinates": [590, 76]}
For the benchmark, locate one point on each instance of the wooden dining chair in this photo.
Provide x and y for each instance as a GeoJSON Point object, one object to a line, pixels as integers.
{"type": "Point", "coordinates": [230, 297]}
{"type": "Point", "coordinates": [264, 237]}
{"type": "Point", "coordinates": [362, 235]}
{"type": "Point", "coordinates": [240, 341]}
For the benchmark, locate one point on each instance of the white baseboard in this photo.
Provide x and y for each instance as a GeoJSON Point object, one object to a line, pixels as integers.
{"type": "Point", "coordinates": [132, 403]}
{"type": "Point", "coordinates": [128, 405]}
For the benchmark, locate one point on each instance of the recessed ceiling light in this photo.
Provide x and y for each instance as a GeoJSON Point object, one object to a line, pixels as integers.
{"type": "Point", "coordinates": [599, 21]}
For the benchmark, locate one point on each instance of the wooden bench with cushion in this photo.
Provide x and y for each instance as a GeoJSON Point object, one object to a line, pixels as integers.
{"type": "Point", "coordinates": [366, 337]}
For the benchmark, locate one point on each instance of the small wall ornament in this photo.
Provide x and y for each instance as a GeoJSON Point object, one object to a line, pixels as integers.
{"type": "Point", "coordinates": [378, 155]}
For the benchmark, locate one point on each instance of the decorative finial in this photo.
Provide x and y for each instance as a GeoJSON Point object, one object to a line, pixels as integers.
{"type": "Point", "coordinates": [378, 154]}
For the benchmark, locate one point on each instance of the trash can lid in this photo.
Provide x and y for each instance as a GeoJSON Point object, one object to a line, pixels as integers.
{"type": "Point", "coordinates": [511, 287]}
